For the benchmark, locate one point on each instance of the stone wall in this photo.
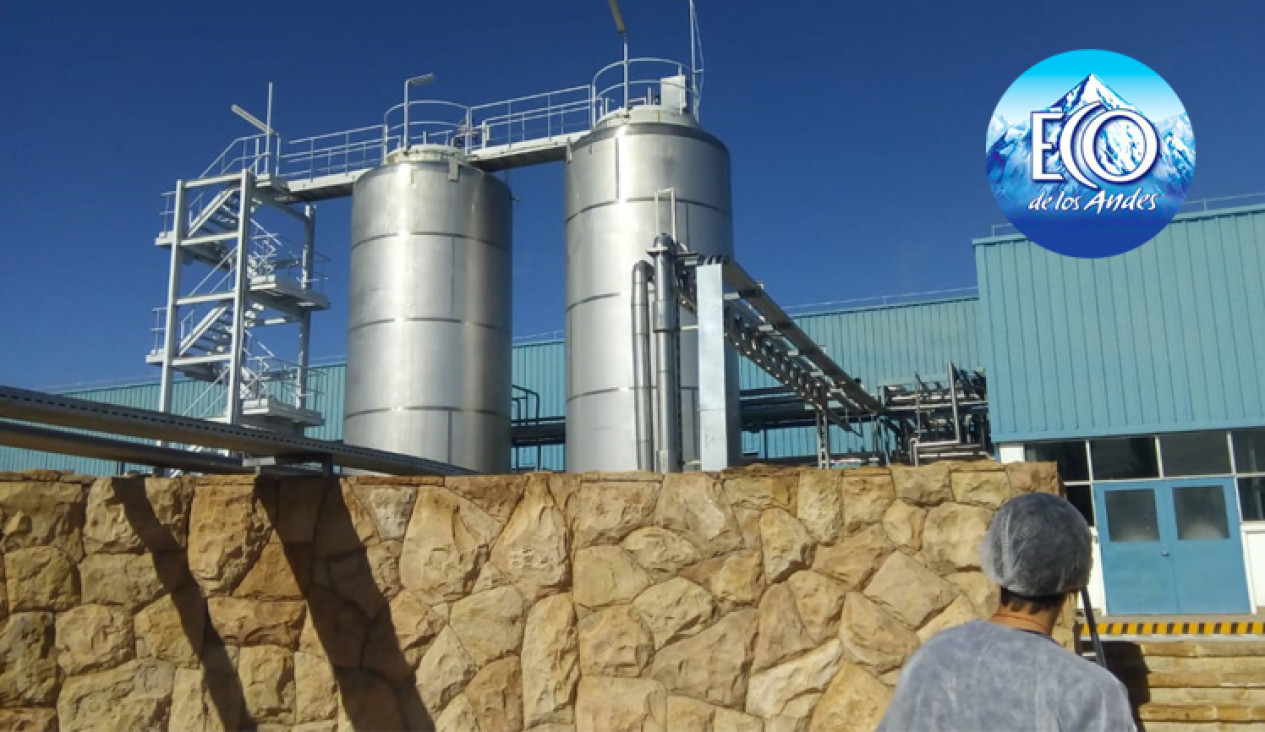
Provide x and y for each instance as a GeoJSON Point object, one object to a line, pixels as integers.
{"type": "Point", "coordinates": [760, 600]}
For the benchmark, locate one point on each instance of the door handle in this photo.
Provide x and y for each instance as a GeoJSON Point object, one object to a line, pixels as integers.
{"type": "Point", "coordinates": [1164, 554]}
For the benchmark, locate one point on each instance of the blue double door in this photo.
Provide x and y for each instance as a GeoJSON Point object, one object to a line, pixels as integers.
{"type": "Point", "coordinates": [1171, 546]}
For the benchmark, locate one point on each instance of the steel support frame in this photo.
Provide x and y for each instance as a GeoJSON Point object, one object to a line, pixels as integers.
{"type": "Point", "coordinates": [717, 422]}
{"type": "Point", "coordinates": [762, 332]}
{"type": "Point", "coordinates": [238, 297]}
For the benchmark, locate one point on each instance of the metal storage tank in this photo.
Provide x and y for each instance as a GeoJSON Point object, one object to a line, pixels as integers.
{"type": "Point", "coordinates": [612, 177]}
{"type": "Point", "coordinates": [429, 332]}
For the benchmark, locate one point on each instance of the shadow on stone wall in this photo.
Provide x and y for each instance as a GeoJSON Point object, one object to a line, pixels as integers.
{"type": "Point", "coordinates": [368, 700]}
{"type": "Point", "coordinates": [220, 678]}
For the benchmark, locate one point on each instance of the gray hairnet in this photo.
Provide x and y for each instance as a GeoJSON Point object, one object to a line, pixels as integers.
{"type": "Point", "coordinates": [1037, 545]}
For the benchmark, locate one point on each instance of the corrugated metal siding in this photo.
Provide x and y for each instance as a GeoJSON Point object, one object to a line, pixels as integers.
{"type": "Point", "coordinates": [1163, 338]}
{"type": "Point", "coordinates": [877, 345]}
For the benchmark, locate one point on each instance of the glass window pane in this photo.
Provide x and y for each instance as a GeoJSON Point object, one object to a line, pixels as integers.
{"type": "Point", "coordinates": [1082, 496]}
{"type": "Point", "coordinates": [1073, 463]}
{"type": "Point", "coordinates": [1131, 516]}
{"type": "Point", "coordinates": [1249, 450]}
{"type": "Point", "coordinates": [1124, 458]}
{"type": "Point", "coordinates": [1200, 513]}
{"type": "Point", "coordinates": [1252, 498]}
{"type": "Point", "coordinates": [1195, 453]}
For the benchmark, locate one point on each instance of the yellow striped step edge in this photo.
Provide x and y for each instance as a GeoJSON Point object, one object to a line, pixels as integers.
{"type": "Point", "coordinates": [1253, 627]}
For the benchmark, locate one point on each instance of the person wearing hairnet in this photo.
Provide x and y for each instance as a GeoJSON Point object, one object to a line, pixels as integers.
{"type": "Point", "coordinates": [1008, 673]}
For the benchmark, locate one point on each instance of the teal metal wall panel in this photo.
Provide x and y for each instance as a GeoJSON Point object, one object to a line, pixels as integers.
{"type": "Point", "coordinates": [1160, 339]}
{"type": "Point", "coordinates": [877, 345]}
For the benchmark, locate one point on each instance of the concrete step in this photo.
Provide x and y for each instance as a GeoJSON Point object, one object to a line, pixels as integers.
{"type": "Point", "coordinates": [1193, 684]}
{"type": "Point", "coordinates": [1186, 713]}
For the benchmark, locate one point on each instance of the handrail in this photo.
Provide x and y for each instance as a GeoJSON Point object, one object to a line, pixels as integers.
{"type": "Point", "coordinates": [542, 116]}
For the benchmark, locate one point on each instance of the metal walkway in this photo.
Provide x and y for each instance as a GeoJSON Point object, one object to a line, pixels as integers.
{"type": "Point", "coordinates": [259, 448]}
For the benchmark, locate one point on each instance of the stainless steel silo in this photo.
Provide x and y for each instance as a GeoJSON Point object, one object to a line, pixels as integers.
{"type": "Point", "coordinates": [623, 182]}
{"type": "Point", "coordinates": [429, 332]}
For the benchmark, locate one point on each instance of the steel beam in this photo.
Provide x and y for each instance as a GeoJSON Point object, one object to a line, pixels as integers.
{"type": "Point", "coordinates": [53, 409]}
{"type": "Point", "coordinates": [104, 448]}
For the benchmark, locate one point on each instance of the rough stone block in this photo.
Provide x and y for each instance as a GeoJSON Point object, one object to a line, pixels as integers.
{"type": "Point", "coordinates": [400, 637]}
{"type": "Point", "coordinates": [171, 628]}
{"type": "Point", "coordinates": [229, 525]}
{"type": "Point", "coordinates": [771, 690]}
{"type": "Point", "coordinates": [257, 622]}
{"type": "Point", "coordinates": [533, 550]}
{"type": "Point", "coordinates": [903, 524]}
{"type": "Point", "coordinates": [695, 506]}
{"type": "Point", "coordinates": [134, 696]}
{"type": "Point", "coordinates": [605, 513]}
{"type": "Point", "coordinates": [446, 543]}
{"type": "Point", "coordinates": [29, 674]}
{"type": "Point", "coordinates": [29, 719]}
{"type": "Point", "coordinates": [786, 544]}
{"type": "Point", "coordinates": [34, 513]}
{"type": "Point", "coordinates": [951, 537]}
{"type": "Point", "coordinates": [853, 560]}
{"type": "Point", "coordinates": [660, 552]}
{"type": "Point", "coordinates": [40, 578]}
{"type": "Point", "coordinates": [820, 504]}
{"type": "Point", "coordinates": [489, 624]}
{"type": "Point", "coordinates": [444, 670]}
{"type": "Point", "coordinates": [855, 699]}
{"type": "Point", "coordinates": [614, 642]}
{"type": "Point", "coordinates": [762, 491]}
{"type": "Point", "coordinates": [713, 664]}
{"type": "Point", "coordinates": [620, 705]}
{"type": "Point", "coordinates": [550, 651]}
{"type": "Point", "coordinates": [781, 633]}
{"type": "Point", "coordinates": [93, 638]}
{"type": "Point", "coordinates": [928, 485]}
{"type": "Point", "coordinates": [867, 492]}
{"type": "Point", "coordinates": [495, 695]}
{"type": "Point", "coordinates": [872, 637]}
{"type": "Point", "coordinates": [911, 590]}
{"type": "Point", "coordinates": [607, 575]}
{"type": "Point", "coordinates": [988, 489]}
{"type": "Point", "coordinates": [674, 609]}
{"type": "Point", "coordinates": [819, 601]}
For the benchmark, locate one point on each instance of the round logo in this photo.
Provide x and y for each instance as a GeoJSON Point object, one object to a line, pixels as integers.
{"type": "Point", "coordinates": [1090, 153]}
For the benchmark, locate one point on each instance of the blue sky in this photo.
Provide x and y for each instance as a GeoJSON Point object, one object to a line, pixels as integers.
{"type": "Point", "coordinates": [854, 128]}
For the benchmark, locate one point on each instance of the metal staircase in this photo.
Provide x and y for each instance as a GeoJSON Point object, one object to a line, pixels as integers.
{"type": "Point", "coordinates": [232, 276]}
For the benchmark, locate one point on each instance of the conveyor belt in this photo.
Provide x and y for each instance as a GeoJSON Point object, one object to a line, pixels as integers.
{"type": "Point", "coordinates": [51, 409]}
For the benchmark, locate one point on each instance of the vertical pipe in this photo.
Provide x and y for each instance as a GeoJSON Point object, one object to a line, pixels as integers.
{"type": "Point", "coordinates": [404, 132]}
{"type": "Point", "coordinates": [171, 339]}
{"type": "Point", "coordinates": [625, 37]}
{"type": "Point", "coordinates": [305, 320]}
{"type": "Point", "coordinates": [667, 356]}
{"type": "Point", "coordinates": [268, 152]}
{"type": "Point", "coordinates": [643, 389]}
{"type": "Point", "coordinates": [240, 287]}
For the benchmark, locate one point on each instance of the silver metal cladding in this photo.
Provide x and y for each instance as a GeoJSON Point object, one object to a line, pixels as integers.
{"type": "Point", "coordinates": [429, 314]}
{"type": "Point", "coordinates": [613, 177]}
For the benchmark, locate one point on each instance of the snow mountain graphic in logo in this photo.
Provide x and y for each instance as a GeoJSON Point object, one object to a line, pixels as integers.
{"type": "Point", "coordinates": [1092, 174]}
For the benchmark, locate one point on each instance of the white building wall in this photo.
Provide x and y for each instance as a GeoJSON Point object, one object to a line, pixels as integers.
{"type": "Point", "coordinates": [1254, 562]}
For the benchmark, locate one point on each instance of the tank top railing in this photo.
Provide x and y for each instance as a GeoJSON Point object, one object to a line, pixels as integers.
{"type": "Point", "coordinates": [544, 119]}
{"type": "Point", "coordinates": [646, 82]}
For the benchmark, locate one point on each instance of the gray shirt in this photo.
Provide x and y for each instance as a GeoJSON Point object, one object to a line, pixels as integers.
{"type": "Point", "coordinates": [983, 676]}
